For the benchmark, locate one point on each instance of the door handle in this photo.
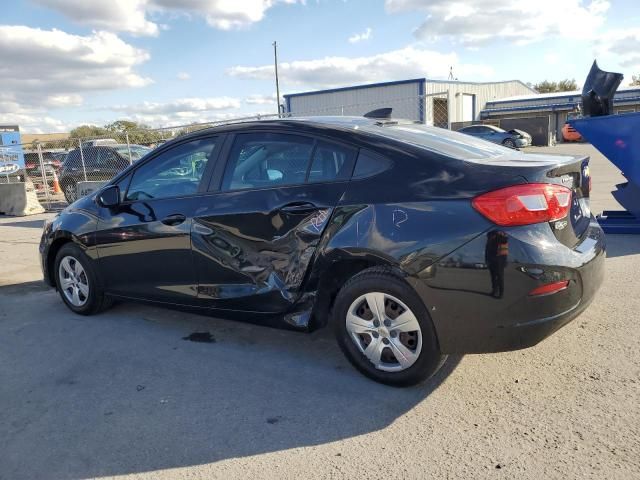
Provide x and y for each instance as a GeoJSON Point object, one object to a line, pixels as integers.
{"type": "Point", "coordinates": [298, 207]}
{"type": "Point", "coordinates": [175, 219]}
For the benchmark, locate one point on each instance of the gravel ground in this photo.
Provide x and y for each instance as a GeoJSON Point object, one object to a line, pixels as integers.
{"type": "Point", "coordinates": [122, 394]}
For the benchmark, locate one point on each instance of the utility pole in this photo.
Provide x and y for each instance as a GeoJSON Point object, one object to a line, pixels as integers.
{"type": "Point", "coordinates": [275, 59]}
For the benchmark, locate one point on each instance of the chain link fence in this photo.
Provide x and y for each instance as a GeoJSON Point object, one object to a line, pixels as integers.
{"type": "Point", "coordinates": [63, 170]}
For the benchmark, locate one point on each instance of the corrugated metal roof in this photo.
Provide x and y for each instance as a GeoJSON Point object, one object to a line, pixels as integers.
{"type": "Point", "coordinates": [543, 96]}
{"type": "Point", "coordinates": [400, 82]}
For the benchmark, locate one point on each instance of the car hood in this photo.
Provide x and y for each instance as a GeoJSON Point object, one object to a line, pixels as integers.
{"type": "Point", "coordinates": [515, 131]}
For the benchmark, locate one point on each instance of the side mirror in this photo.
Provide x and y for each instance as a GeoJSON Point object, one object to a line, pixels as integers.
{"type": "Point", "coordinates": [109, 197]}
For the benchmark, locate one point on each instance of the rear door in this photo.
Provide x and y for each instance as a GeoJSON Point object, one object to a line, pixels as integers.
{"type": "Point", "coordinates": [144, 244]}
{"type": "Point", "coordinates": [257, 232]}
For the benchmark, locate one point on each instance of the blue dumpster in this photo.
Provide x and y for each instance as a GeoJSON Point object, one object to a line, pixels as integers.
{"type": "Point", "coordinates": [617, 137]}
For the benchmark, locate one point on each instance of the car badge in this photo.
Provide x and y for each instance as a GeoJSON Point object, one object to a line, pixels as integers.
{"type": "Point", "coordinates": [560, 225]}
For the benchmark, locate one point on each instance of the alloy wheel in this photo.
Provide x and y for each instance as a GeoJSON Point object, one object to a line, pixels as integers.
{"type": "Point", "coordinates": [70, 193]}
{"type": "Point", "coordinates": [73, 281]}
{"type": "Point", "coordinates": [385, 330]}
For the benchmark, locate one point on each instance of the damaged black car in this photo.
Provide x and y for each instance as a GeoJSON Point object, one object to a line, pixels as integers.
{"type": "Point", "coordinates": [412, 242]}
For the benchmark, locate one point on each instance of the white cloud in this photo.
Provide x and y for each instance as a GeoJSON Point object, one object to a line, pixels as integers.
{"type": "Point", "coordinates": [261, 99]}
{"type": "Point", "coordinates": [473, 22]}
{"type": "Point", "coordinates": [339, 71]}
{"type": "Point", "coordinates": [189, 118]}
{"type": "Point", "coordinates": [34, 121]}
{"type": "Point", "coordinates": [359, 37]}
{"type": "Point", "coordinates": [119, 15]}
{"type": "Point", "coordinates": [43, 69]}
{"type": "Point", "coordinates": [133, 16]}
{"type": "Point", "coordinates": [183, 76]}
{"type": "Point", "coordinates": [180, 106]}
{"type": "Point", "coordinates": [180, 111]}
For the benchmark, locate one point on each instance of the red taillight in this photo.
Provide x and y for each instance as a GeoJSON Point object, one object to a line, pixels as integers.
{"type": "Point", "coordinates": [549, 288]}
{"type": "Point", "coordinates": [524, 204]}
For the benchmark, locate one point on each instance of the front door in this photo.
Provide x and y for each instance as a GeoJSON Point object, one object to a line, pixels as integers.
{"type": "Point", "coordinates": [254, 239]}
{"type": "Point", "coordinates": [144, 244]}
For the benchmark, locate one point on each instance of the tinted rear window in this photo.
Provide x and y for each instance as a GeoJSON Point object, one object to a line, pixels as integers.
{"type": "Point", "coordinates": [442, 141]}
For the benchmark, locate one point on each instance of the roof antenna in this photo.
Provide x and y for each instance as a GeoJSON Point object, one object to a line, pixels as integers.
{"type": "Point", "coordinates": [379, 114]}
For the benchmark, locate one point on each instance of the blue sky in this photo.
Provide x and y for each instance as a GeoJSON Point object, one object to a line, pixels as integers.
{"type": "Point", "coordinates": [172, 62]}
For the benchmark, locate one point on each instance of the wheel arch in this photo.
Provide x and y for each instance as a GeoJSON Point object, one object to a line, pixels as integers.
{"type": "Point", "coordinates": [54, 248]}
{"type": "Point", "coordinates": [335, 274]}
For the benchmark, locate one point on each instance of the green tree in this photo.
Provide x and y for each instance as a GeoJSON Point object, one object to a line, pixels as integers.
{"type": "Point", "coordinates": [635, 81]}
{"type": "Point", "coordinates": [565, 85]}
{"type": "Point", "coordinates": [88, 131]}
{"type": "Point", "coordinates": [136, 132]}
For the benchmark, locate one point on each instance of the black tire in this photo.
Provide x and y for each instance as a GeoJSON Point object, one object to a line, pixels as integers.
{"type": "Point", "coordinates": [509, 143]}
{"type": "Point", "coordinates": [96, 301]}
{"type": "Point", "coordinates": [385, 281]}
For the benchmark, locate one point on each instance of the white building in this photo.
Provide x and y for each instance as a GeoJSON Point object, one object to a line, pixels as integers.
{"type": "Point", "coordinates": [435, 102]}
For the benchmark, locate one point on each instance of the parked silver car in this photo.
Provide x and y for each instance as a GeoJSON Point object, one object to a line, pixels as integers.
{"type": "Point", "coordinates": [512, 138]}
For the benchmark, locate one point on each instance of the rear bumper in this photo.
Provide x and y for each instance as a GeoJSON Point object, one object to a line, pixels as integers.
{"type": "Point", "coordinates": [470, 317]}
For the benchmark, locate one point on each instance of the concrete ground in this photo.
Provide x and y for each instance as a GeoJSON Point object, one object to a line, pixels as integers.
{"type": "Point", "coordinates": [122, 394]}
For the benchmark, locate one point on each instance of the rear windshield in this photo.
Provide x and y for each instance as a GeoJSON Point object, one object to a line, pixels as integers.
{"type": "Point", "coordinates": [442, 141]}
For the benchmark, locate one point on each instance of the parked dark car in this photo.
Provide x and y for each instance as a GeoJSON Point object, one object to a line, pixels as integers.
{"type": "Point", "coordinates": [511, 139]}
{"type": "Point", "coordinates": [51, 160]}
{"type": "Point", "coordinates": [101, 163]}
{"type": "Point", "coordinates": [414, 242]}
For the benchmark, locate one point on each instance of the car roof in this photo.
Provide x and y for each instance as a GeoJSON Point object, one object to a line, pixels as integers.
{"type": "Point", "coordinates": [369, 132]}
{"type": "Point", "coordinates": [320, 124]}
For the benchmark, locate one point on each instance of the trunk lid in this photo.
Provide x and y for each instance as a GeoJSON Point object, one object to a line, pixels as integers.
{"type": "Point", "coordinates": [576, 176]}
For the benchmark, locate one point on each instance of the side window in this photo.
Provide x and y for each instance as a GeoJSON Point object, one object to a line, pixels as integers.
{"type": "Point", "coordinates": [73, 159]}
{"type": "Point", "coordinates": [90, 155]}
{"type": "Point", "coordinates": [370, 164]}
{"type": "Point", "coordinates": [107, 158]}
{"type": "Point", "coordinates": [267, 159]}
{"type": "Point", "coordinates": [174, 173]}
{"type": "Point", "coordinates": [331, 162]}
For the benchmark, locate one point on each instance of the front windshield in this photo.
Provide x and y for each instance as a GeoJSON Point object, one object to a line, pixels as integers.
{"type": "Point", "coordinates": [443, 141]}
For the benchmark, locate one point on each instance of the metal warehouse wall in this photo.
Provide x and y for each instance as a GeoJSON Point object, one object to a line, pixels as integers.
{"type": "Point", "coordinates": [403, 97]}
{"type": "Point", "coordinates": [483, 93]}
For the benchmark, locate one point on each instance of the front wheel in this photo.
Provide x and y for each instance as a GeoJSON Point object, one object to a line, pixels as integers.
{"type": "Point", "coordinates": [70, 192]}
{"type": "Point", "coordinates": [509, 143]}
{"type": "Point", "coordinates": [77, 281]}
{"type": "Point", "coordinates": [384, 329]}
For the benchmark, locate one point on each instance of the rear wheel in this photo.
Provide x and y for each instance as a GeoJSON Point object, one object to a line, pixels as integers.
{"type": "Point", "coordinates": [384, 329]}
{"type": "Point", "coordinates": [77, 281]}
{"type": "Point", "coordinates": [509, 143]}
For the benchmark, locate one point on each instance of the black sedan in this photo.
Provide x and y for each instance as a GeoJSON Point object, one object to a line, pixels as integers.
{"type": "Point", "coordinates": [413, 242]}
